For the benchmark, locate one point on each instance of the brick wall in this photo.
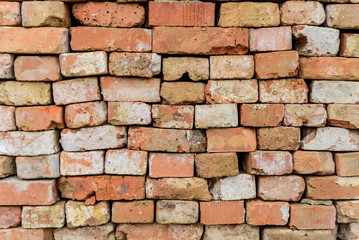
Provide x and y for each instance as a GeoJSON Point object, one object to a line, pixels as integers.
{"type": "Point", "coordinates": [157, 120]}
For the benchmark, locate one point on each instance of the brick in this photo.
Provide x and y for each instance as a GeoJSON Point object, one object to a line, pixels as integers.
{"type": "Point", "coordinates": [235, 91]}
{"type": "Point", "coordinates": [310, 162]}
{"type": "Point", "coordinates": [37, 40]}
{"type": "Point", "coordinates": [159, 231]}
{"type": "Point", "coordinates": [182, 40]}
{"type": "Point", "coordinates": [168, 116]}
{"type": "Point", "coordinates": [128, 113]}
{"type": "Point", "coordinates": [109, 14]}
{"type": "Point", "coordinates": [349, 43]}
{"type": "Point", "coordinates": [222, 212]}
{"type": "Point", "coordinates": [110, 39]}
{"type": "Point", "coordinates": [105, 232]}
{"type": "Point", "coordinates": [261, 213]}
{"type": "Point", "coordinates": [347, 211]}
{"type": "Point", "coordinates": [33, 234]}
{"type": "Point", "coordinates": [233, 232]}
{"type": "Point", "coordinates": [181, 14]}
{"type": "Point", "coordinates": [171, 165]}
{"type": "Point", "coordinates": [347, 164]}
{"type": "Point", "coordinates": [261, 115]}
{"type": "Point", "coordinates": [10, 217]}
{"type": "Point", "coordinates": [39, 118]}
{"type": "Point", "coordinates": [283, 91]}
{"type": "Point", "coordinates": [303, 216]}
{"type": "Point", "coordinates": [293, 234]}
{"type": "Point", "coordinates": [37, 68]}
{"type": "Point", "coordinates": [349, 231]}
{"type": "Point", "coordinates": [343, 115]}
{"type": "Point", "coordinates": [310, 115]}
{"type": "Point", "coordinates": [7, 118]}
{"type": "Point", "coordinates": [182, 93]}
{"type": "Point", "coordinates": [130, 89]}
{"type": "Point", "coordinates": [175, 68]}
{"type": "Point", "coordinates": [18, 143]}
{"type": "Point", "coordinates": [103, 187]}
{"type": "Point", "coordinates": [46, 166]}
{"type": "Point", "coordinates": [331, 139]}
{"type": "Point", "coordinates": [126, 162]}
{"type": "Point", "coordinates": [81, 163]}
{"type": "Point", "coordinates": [133, 212]}
{"type": "Point", "coordinates": [169, 140]}
{"type": "Point", "coordinates": [6, 65]}
{"type": "Point", "coordinates": [177, 212]}
{"type": "Point", "coordinates": [211, 165]}
{"type": "Point", "coordinates": [334, 92]}
{"type": "Point", "coordinates": [239, 187]}
{"type": "Point", "coordinates": [276, 64]}
{"type": "Point", "coordinates": [85, 114]}
{"type": "Point", "coordinates": [25, 93]}
{"type": "Point", "coordinates": [281, 188]}
{"type": "Point", "coordinates": [300, 12]}
{"type": "Point", "coordinates": [278, 138]}
{"type": "Point", "coordinates": [92, 138]}
{"type": "Point", "coordinates": [10, 14]}
{"type": "Point", "coordinates": [216, 115]}
{"type": "Point", "coordinates": [342, 16]}
{"type": "Point", "coordinates": [14, 191]}
{"type": "Point", "coordinates": [249, 14]}
{"type": "Point", "coordinates": [76, 90]}
{"type": "Point", "coordinates": [178, 188]}
{"type": "Point", "coordinates": [332, 187]}
{"type": "Point", "coordinates": [268, 163]}
{"type": "Point", "coordinates": [231, 140]}
{"type": "Point", "coordinates": [276, 39]}
{"type": "Point", "coordinates": [232, 67]}
{"type": "Point", "coordinates": [44, 216]}
{"type": "Point", "coordinates": [7, 167]}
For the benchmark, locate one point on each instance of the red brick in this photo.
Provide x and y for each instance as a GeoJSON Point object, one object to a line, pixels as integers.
{"type": "Point", "coordinates": [35, 68]}
{"type": "Point", "coordinates": [343, 115]}
{"type": "Point", "coordinates": [7, 166]}
{"type": "Point", "coordinates": [182, 93]}
{"type": "Point", "coordinates": [181, 14]}
{"type": "Point", "coordinates": [261, 115]}
{"type": "Point", "coordinates": [171, 165]}
{"type": "Point", "coordinates": [7, 118]}
{"type": "Point", "coordinates": [347, 164]}
{"type": "Point", "coordinates": [10, 217]}
{"type": "Point", "coordinates": [311, 115]}
{"type": "Point", "coordinates": [10, 14]}
{"type": "Point", "coordinates": [126, 162]}
{"type": "Point", "coordinates": [182, 40]}
{"type": "Point", "coordinates": [109, 14]}
{"type": "Point", "coordinates": [6, 66]}
{"type": "Point", "coordinates": [21, 233]}
{"type": "Point", "coordinates": [39, 118]}
{"type": "Point", "coordinates": [276, 64]}
{"type": "Point", "coordinates": [309, 162]}
{"type": "Point", "coordinates": [302, 12]}
{"type": "Point", "coordinates": [85, 114]}
{"type": "Point", "coordinates": [81, 163]}
{"type": "Point", "coordinates": [222, 212]}
{"type": "Point", "coordinates": [37, 40]}
{"type": "Point", "coordinates": [211, 165]}
{"type": "Point", "coordinates": [175, 68]}
{"type": "Point", "coordinates": [278, 138]}
{"type": "Point", "coordinates": [268, 163]}
{"type": "Point", "coordinates": [232, 67]}
{"type": "Point", "coordinates": [267, 213]}
{"type": "Point", "coordinates": [46, 166]}
{"type": "Point", "coordinates": [168, 116]}
{"type": "Point", "coordinates": [347, 211]}
{"type": "Point", "coordinates": [133, 212]}
{"type": "Point", "coordinates": [283, 91]}
{"type": "Point", "coordinates": [349, 45]}
{"type": "Point", "coordinates": [343, 16]}
{"type": "Point", "coordinates": [276, 39]}
{"type": "Point", "coordinates": [231, 140]}
{"type": "Point", "coordinates": [110, 39]}
{"type": "Point", "coordinates": [303, 216]}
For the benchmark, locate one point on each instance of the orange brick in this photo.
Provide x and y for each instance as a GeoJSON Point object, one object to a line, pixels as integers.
{"type": "Point", "coordinates": [347, 164]}
{"type": "Point", "coordinates": [278, 138]}
{"type": "Point", "coordinates": [309, 162]}
{"type": "Point", "coordinates": [133, 212]}
{"type": "Point", "coordinates": [276, 39]}
{"type": "Point", "coordinates": [311, 115]}
{"type": "Point", "coordinates": [210, 165]}
{"type": "Point", "coordinates": [348, 45]}
{"type": "Point", "coordinates": [302, 12]}
{"type": "Point", "coordinates": [260, 212]}
{"type": "Point", "coordinates": [85, 114]}
{"type": "Point", "coordinates": [218, 212]}
{"type": "Point", "coordinates": [10, 14]}
{"type": "Point", "coordinates": [168, 116]}
{"type": "Point", "coordinates": [261, 115]}
{"type": "Point", "coordinates": [171, 165]}
{"type": "Point", "coordinates": [342, 16]}
{"type": "Point", "coordinates": [343, 115]}
{"type": "Point", "coordinates": [36, 68]}
{"type": "Point", "coordinates": [10, 217]}
{"type": "Point", "coordinates": [7, 118]}
{"type": "Point", "coordinates": [283, 91]}
{"type": "Point", "coordinates": [347, 211]}
{"type": "Point", "coordinates": [22, 233]}
{"type": "Point", "coordinates": [175, 93]}
{"type": "Point", "coordinates": [45, 166]}
{"type": "Point", "coordinates": [81, 163]}
{"type": "Point", "coordinates": [268, 163]}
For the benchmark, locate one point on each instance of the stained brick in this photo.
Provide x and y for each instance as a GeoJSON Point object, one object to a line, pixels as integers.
{"type": "Point", "coordinates": [129, 113]}
{"type": "Point", "coordinates": [133, 212]}
{"type": "Point", "coordinates": [126, 162]}
{"type": "Point", "coordinates": [261, 115]}
{"type": "Point", "coordinates": [81, 163]}
{"type": "Point", "coordinates": [232, 67]}
{"type": "Point", "coordinates": [35, 68]}
{"type": "Point", "coordinates": [276, 39]}
{"type": "Point", "coordinates": [231, 140]}
{"type": "Point", "coordinates": [175, 93]}
{"type": "Point", "coordinates": [216, 115]}
{"type": "Point", "coordinates": [268, 163]}
{"type": "Point", "coordinates": [211, 165]}
{"type": "Point", "coordinates": [7, 166]}
{"type": "Point", "coordinates": [7, 118]}
{"type": "Point", "coordinates": [86, 233]}
{"type": "Point", "coordinates": [267, 213]}
{"type": "Point", "coordinates": [310, 162]}
{"type": "Point", "coordinates": [46, 166]}
{"type": "Point", "coordinates": [44, 216]}
{"type": "Point", "coordinates": [233, 232]}
{"type": "Point", "coordinates": [349, 43]}
{"type": "Point", "coordinates": [334, 92]}
{"type": "Point", "coordinates": [10, 217]}
{"type": "Point", "coordinates": [78, 214]}
{"type": "Point", "coordinates": [10, 14]}
{"type": "Point", "coordinates": [347, 211]}
{"type": "Point", "coordinates": [310, 115]}
{"type": "Point", "coordinates": [85, 114]}
{"type": "Point", "coordinates": [343, 115]}
{"type": "Point", "coordinates": [278, 138]}
{"type": "Point", "coordinates": [302, 12]}
{"type": "Point", "coordinates": [168, 116]}
{"type": "Point", "coordinates": [6, 66]}
{"type": "Point", "coordinates": [342, 16]}
{"type": "Point", "coordinates": [283, 91]}
{"type": "Point", "coordinates": [175, 68]}
{"type": "Point", "coordinates": [33, 234]}
{"type": "Point", "coordinates": [177, 212]}
{"type": "Point", "coordinates": [347, 164]}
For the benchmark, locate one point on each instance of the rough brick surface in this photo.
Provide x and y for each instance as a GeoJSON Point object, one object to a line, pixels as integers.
{"type": "Point", "coordinates": [6, 66]}
{"type": "Point", "coordinates": [283, 91]}
{"type": "Point", "coordinates": [46, 166]}
{"type": "Point", "coordinates": [349, 45]}
{"type": "Point", "coordinates": [302, 12]}
{"type": "Point", "coordinates": [10, 13]}
{"type": "Point", "coordinates": [270, 39]}
{"type": "Point", "coordinates": [268, 163]}
{"type": "Point", "coordinates": [175, 68]}
{"type": "Point", "coordinates": [267, 213]}
{"type": "Point", "coordinates": [231, 67]}
{"type": "Point", "coordinates": [28, 68]}
{"type": "Point", "coordinates": [222, 212]}
{"type": "Point", "coordinates": [133, 212]}
{"type": "Point", "coordinates": [10, 217]}
{"type": "Point", "coordinates": [310, 162]}
{"type": "Point", "coordinates": [44, 216]}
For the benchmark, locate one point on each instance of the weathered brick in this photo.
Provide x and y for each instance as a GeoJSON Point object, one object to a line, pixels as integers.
{"type": "Point", "coordinates": [14, 191]}
{"type": "Point", "coordinates": [261, 115]}
{"type": "Point", "coordinates": [105, 232]}
{"type": "Point", "coordinates": [76, 90]}
{"type": "Point", "coordinates": [232, 67]}
{"type": "Point", "coordinates": [282, 188]}
{"type": "Point", "coordinates": [249, 14]}
{"type": "Point", "coordinates": [10, 217]}
{"type": "Point", "coordinates": [175, 68]}
{"type": "Point", "coordinates": [171, 165]}
{"type": "Point", "coordinates": [177, 212]}
{"type": "Point", "coordinates": [276, 64]}
{"type": "Point", "coordinates": [169, 140]}
{"type": "Point", "coordinates": [222, 212]}
{"type": "Point", "coordinates": [293, 234]}
{"type": "Point", "coordinates": [21, 233]}
{"type": "Point", "coordinates": [231, 140]}
{"type": "Point", "coordinates": [44, 216]}
{"type": "Point", "coordinates": [267, 213]}
{"type": "Point", "coordinates": [46, 166]}
{"type": "Point", "coordinates": [303, 216]}
{"type": "Point", "coordinates": [81, 163]}
{"type": "Point", "coordinates": [311, 115]}
{"type": "Point", "coordinates": [129, 113]}
{"type": "Point", "coordinates": [110, 39]}
{"type": "Point", "coordinates": [334, 92]}
{"type": "Point", "coordinates": [109, 14]}
{"type": "Point", "coordinates": [283, 91]}
{"type": "Point", "coordinates": [6, 65]}
{"type": "Point", "coordinates": [182, 93]}
{"type": "Point", "coordinates": [268, 163]}
{"type": "Point", "coordinates": [37, 68]}
{"type": "Point", "coordinates": [343, 115]}
{"type": "Point", "coordinates": [92, 138]}
{"type": "Point", "coordinates": [7, 118]}
{"type": "Point", "coordinates": [78, 214]}
{"type": "Point", "coordinates": [85, 114]}
{"type": "Point", "coordinates": [302, 12]}
{"type": "Point", "coordinates": [18, 143]}
{"type": "Point", "coordinates": [342, 16]}
{"type": "Point", "coordinates": [39, 118]}
{"type": "Point", "coordinates": [349, 45]}
{"type": "Point", "coordinates": [211, 165]}
{"type": "Point", "coordinates": [216, 115]}
{"type": "Point", "coordinates": [133, 212]}
{"type": "Point", "coordinates": [270, 39]}
{"type": "Point", "coordinates": [233, 232]}
{"type": "Point", "coordinates": [241, 186]}
{"type": "Point", "coordinates": [347, 211]}
{"type": "Point", "coordinates": [126, 162]}
{"type": "Point", "coordinates": [130, 89]}
{"type": "Point", "coordinates": [168, 116]}
{"type": "Point", "coordinates": [278, 138]}
{"type": "Point", "coordinates": [182, 40]}
{"type": "Point", "coordinates": [349, 231]}
{"type": "Point", "coordinates": [7, 167]}
{"type": "Point", "coordinates": [317, 163]}
{"type": "Point", "coordinates": [178, 188]}
{"type": "Point", "coordinates": [37, 40]}
{"type": "Point", "coordinates": [347, 164]}
{"type": "Point", "coordinates": [10, 14]}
